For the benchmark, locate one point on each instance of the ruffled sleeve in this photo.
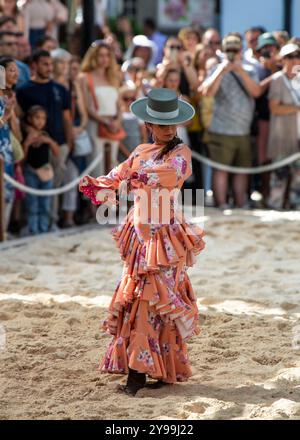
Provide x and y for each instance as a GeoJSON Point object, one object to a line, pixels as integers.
{"type": "Point", "coordinates": [171, 172]}
{"type": "Point", "coordinates": [103, 189]}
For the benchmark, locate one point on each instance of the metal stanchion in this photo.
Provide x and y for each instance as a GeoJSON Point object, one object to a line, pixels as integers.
{"type": "Point", "coordinates": [2, 201]}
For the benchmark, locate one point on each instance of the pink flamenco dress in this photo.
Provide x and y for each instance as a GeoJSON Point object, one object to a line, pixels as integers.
{"type": "Point", "coordinates": [153, 307]}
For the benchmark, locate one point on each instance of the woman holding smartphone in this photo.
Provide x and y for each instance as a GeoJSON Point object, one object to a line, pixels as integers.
{"type": "Point", "coordinates": [175, 57]}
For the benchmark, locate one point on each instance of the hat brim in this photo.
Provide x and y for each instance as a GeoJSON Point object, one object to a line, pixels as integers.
{"type": "Point", "coordinates": [266, 43]}
{"type": "Point", "coordinates": [285, 53]}
{"type": "Point", "coordinates": [186, 112]}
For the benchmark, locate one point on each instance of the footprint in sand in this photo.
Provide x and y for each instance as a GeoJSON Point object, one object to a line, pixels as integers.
{"type": "Point", "coordinates": [5, 316]}
{"type": "Point", "coordinates": [38, 314]}
{"type": "Point", "coordinates": [219, 344]}
{"type": "Point", "coordinates": [283, 326]}
{"type": "Point", "coordinates": [236, 222]}
{"type": "Point", "coordinates": [249, 249]}
{"type": "Point", "coordinates": [195, 407]}
{"type": "Point", "coordinates": [28, 276]}
{"type": "Point", "coordinates": [265, 360]}
{"type": "Point", "coordinates": [73, 321]}
{"type": "Point", "coordinates": [288, 306]}
{"type": "Point", "coordinates": [231, 354]}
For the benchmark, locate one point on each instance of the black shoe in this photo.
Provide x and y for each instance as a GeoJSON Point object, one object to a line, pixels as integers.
{"type": "Point", "coordinates": [135, 381]}
{"type": "Point", "coordinates": [156, 385]}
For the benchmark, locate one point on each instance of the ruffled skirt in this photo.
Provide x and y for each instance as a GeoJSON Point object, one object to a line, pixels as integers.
{"type": "Point", "coordinates": [154, 302]}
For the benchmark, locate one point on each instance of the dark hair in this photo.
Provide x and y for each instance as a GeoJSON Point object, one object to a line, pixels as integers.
{"type": "Point", "coordinates": [259, 29]}
{"type": "Point", "coordinates": [150, 23]}
{"type": "Point", "coordinates": [39, 54]}
{"type": "Point", "coordinates": [7, 19]}
{"type": "Point", "coordinates": [33, 110]}
{"type": "Point", "coordinates": [41, 41]}
{"type": "Point", "coordinates": [168, 147]}
{"type": "Point", "coordinates": [5, 61]}
{"type": "Point", "coordinates": [170, 72]}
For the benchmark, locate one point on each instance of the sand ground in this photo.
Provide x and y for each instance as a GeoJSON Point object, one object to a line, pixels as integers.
{"type": "Point", "coordinates": [53, 294]}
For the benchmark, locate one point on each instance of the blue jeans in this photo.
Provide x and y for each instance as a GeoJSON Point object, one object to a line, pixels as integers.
{"type": "Point", "coordinates": [35, 35]}
{"type": "Point", "coordinates": [38, 207]}
{"type": "Point", "coordinates": [80, 162]}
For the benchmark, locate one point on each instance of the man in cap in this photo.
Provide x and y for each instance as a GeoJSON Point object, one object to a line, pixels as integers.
{"type": "Point", "coordinates": [234, 86]}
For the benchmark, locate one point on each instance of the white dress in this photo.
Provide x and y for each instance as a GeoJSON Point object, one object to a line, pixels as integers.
{"type": "Point", "coordinates": [107, 103]}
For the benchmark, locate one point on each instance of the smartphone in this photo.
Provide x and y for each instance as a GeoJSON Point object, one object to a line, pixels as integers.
{"type": "Point", "coordinates": [231, 56]}
{"type": "Point", "coordinates": [173, 55]}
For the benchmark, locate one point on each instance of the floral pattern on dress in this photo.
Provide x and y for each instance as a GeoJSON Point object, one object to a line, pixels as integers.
{"type": "Point", "coordinates": [145, 357]}
{"type": "Point", "coordinates": [166, 347]}
{"type": "Point", "coordinates": [180, 164]}
{"type": "Point", "coordinates": [155, 321]}
{"type": "Point", "coordinates": [171, 254]}
{"type": "Point", "coordinates": [154, 345]}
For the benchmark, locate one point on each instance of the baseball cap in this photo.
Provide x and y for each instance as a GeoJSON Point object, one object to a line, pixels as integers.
{"type": "Point", "coordinates": [266, 39]}
{"type": "Point", "coordinates": [231, 42]}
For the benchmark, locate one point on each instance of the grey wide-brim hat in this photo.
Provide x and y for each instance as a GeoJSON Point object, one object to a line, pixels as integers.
{"type": "Point", "coordinates": [163, 107]}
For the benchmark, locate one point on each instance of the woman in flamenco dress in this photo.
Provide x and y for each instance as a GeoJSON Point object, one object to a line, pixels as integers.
{"type": "Point", "coordinates": [153, 311]}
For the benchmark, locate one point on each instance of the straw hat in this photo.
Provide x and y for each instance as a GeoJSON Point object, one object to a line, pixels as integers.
{"type": "Point", "coordinates": [162, 106]}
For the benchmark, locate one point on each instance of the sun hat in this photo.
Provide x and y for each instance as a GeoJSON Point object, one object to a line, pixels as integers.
{"type": "Point", "coordinates": [266, 39]}
{"type": "Point", "coordinates": [287, 49]}
{"type": "Point", "coordinates": [231, 42]}
{"type": "Point", "coordinates": [162, 106]}
{"type": "Point", "coordinates": [61, 54]}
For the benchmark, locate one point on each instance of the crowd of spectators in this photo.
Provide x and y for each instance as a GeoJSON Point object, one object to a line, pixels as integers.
{"type": "Point", "coordinates": [59, 111]}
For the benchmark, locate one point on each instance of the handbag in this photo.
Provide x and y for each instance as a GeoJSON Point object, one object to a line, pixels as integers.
{"type": "Point", "coordinates": [17, 148]}
{"type": "Point", "coordinates": [103, 130]}
{"type": "Point", "coordinates": [82, 144]}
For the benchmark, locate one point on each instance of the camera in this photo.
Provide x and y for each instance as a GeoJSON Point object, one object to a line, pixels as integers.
{"type": "Point", "coordinates": [231, 54]}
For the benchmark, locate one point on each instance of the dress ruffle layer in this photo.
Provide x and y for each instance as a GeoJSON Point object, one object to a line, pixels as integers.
{"type": "Point", "coordinates": [169, 245]}
{"type": "Point", "coordinates": [156, 288]}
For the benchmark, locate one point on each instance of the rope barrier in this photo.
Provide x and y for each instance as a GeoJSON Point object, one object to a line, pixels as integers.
{"type": "Point", "coordinates": [230, 169]}
{"type": "Point", "coordinates": [241, 170]}
{"type": "Point", "coordinates": [54, 191]}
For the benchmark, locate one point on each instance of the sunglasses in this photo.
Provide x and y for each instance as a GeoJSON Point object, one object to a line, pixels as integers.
{"type": "Point", "coordinates": [129, 98]}
{"type": "Point", "coordinates": [232, 51]}
{"type": "Point", "coordinates": [293, 56]}
{"type": "Point", "coordinates": [174, 47]}
{"type": "Point", "coordinates": [215, 43]}
{"type": "Point", "coordinates": [10, 44]}
{"type": "Point", "coordinates": [137, 69]}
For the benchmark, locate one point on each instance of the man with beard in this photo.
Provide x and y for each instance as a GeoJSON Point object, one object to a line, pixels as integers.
{"type": "Point", "coordinates": [55, 99]}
